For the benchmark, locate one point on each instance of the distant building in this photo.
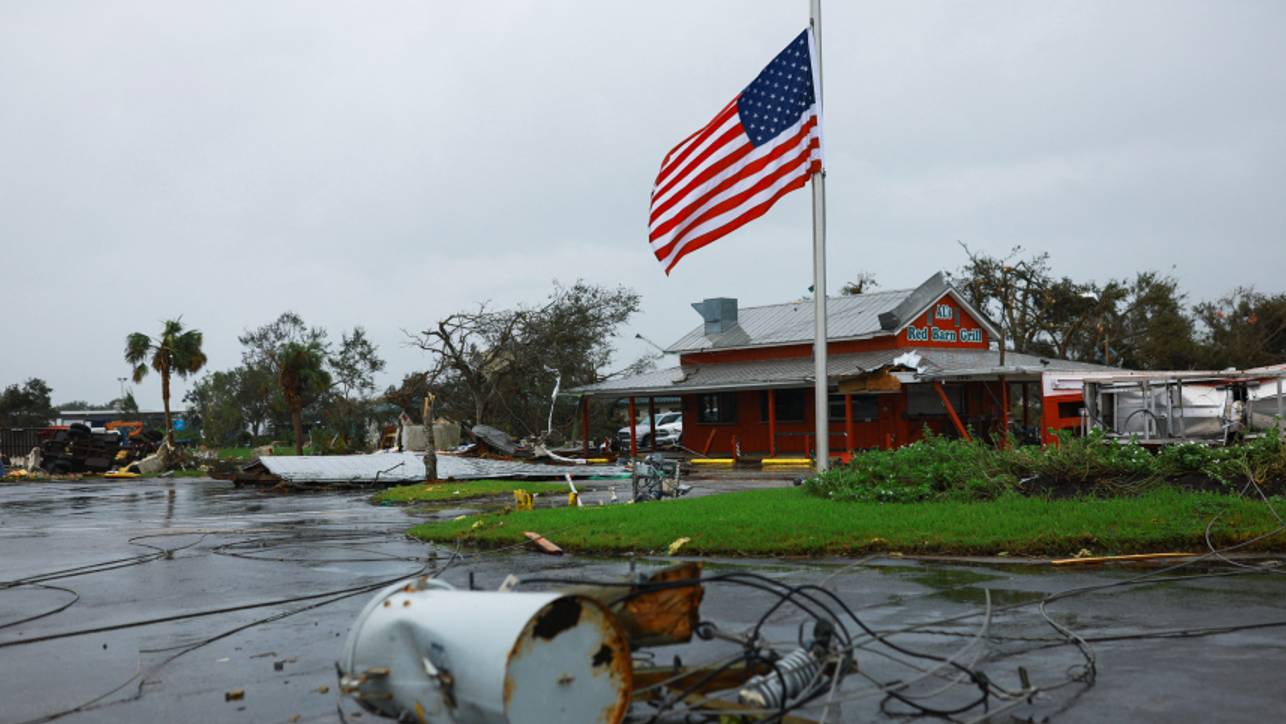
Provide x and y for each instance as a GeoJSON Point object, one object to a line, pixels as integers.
{"type": "Point", "coordinates": [899, 362]}
{"type": "Point", "coordinates": [151, 419]}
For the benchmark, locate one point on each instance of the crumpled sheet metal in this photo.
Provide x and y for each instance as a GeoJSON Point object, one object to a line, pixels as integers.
{"type": "Point", "coordinates": [392, 468]}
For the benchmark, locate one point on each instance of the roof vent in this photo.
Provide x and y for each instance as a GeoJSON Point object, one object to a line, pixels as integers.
{"type": "Point", "coordinates": [889, 321]}
{"type": "Point", "coordinates": [719, 313]}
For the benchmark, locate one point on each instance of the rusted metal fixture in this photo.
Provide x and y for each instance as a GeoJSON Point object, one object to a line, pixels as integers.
{"type": "Point", "coordinates": [658, 610]}
{"type": "Point", "coordinates": [423, 651]}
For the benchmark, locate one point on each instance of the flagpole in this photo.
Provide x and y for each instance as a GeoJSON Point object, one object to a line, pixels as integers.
{"type": "Point", "coordinates": [821, 387]}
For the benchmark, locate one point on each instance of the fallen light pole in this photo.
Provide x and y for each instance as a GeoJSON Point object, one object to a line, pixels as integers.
{"type": "Point", "coordinates": [422, 651]}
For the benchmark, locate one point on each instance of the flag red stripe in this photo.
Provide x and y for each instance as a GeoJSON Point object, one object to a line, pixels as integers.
{"type": "Point", "coordinates": [728, 136]}
{"type": "Point", "coordinates": [750, 215]}
{"type": "Point", "coordinates": [705, 175]}
{"type": "Point", "coordinates": [732, 202]}
{"type": "Point", "coordinates": [750, 169]}
{"type": "Point", "coordinates": [667, 165]}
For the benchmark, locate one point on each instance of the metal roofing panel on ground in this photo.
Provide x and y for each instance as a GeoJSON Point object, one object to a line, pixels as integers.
{"type": "Point", "coordinates": [409, 468]}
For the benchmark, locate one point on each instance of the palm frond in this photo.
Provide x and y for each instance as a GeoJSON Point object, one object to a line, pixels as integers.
{"type": "Point", "coordinates": [186, 353]}
{"type": "Point", "coordinates": [137, 346]}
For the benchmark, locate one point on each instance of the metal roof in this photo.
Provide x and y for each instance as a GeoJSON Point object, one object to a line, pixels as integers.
{"type": "Point", "coordinates": [798, 371]}
{"type": "Point", "coordinates": [405, 467]}
{"type": "Point", "coordinates": [847, 317]}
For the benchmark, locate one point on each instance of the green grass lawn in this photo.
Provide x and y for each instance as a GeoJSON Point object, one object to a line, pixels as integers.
{"type": "Point", "coordinates": [435, 492]}
{"type": "Point", "coordinates": [244, 453]}
{"type": "Point", "coordinates": [792, 522]}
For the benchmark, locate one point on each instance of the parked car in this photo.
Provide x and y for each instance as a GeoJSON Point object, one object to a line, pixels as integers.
{"type": "Point", "coordinates": [669, 431]}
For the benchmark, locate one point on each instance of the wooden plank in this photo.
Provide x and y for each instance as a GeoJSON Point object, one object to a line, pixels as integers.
{"type": "Point", "coordinates": [544, 544]}
{"type": "Point", "coordinates": [1109, 559]}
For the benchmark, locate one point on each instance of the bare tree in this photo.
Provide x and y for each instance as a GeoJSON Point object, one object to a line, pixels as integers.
{"type": "Point", "coordinates": [498, 366]}
{"type": "Point", "coordinates": [475, 348]}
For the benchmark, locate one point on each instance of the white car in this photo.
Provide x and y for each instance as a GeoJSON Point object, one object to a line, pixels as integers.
{"type": "Point", "coordinates": [669, 431]}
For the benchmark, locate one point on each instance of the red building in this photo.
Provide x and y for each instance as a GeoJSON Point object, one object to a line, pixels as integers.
{"type": "Point", "coordinates": [900, 361]}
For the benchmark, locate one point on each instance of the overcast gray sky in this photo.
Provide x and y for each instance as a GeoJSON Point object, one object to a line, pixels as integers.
{"type": "Point", "coordinates": [386, 163]}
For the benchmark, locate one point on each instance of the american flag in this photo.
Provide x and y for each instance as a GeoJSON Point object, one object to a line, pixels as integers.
{"type": "Point", "coordinates": [760, 147]}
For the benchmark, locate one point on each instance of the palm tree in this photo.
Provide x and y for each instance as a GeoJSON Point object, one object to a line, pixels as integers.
{"type": "Point", "coordinates": [175, 351]}
{"type": "Point", "coordinates": [302, 374]}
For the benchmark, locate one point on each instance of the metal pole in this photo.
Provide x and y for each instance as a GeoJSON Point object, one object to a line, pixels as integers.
{"type": "Point", "coordinates": [772, 423]}
{"type": "Point", "coordinates": [1004, 413]}
{"type": "Point", "coordinates": [1183, 412]}
{"type": "Point", "coordinates": [1169, 411]}
{"type": "Point", "coordinates": [820, 381]}
{"type": "Point", "coordinates": [848, 425]}
{"type": "Point", "coordinates": [651, 420]}
{"type": "Point", "coordinates": [1279, 404]}
{"type": "Point", "coordinates": [634, 445]}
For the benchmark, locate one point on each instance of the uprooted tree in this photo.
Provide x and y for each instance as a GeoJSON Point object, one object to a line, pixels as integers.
{"type": "Point", "coordinates": [500, 366]}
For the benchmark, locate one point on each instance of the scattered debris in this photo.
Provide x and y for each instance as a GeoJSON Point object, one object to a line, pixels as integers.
{"type": "Point", "coordinates": [654, 477]}
{"type": "Point", "coordinates": [544, 544]}
{"type": "Point", "coordinates": [676, 545]}
{"type": "Point", "coordinates": [391, 468]}
{"type": "Point", "coordinates": [498, 441]}
{"type": "Point", "coordinates": [234, 695]}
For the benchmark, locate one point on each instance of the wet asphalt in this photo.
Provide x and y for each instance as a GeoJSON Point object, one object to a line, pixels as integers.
{"type": "Point", "coordinates": [115, 557]}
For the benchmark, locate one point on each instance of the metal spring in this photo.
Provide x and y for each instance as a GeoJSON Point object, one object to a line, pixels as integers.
{"type": "Point", "coordinates": [796, 670]}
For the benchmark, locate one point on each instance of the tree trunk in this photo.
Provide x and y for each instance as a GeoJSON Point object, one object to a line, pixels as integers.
{"type": "Point", "coordinates": [165, 403]}
{"type": "Point", "coordinates": [297, 422]}
{"type": "Point", "coordinates": [430, 446]}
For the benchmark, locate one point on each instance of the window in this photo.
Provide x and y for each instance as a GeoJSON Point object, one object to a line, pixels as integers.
{"type": "Point", "coordinates": [717, 408]}
{"type": "Point", "coordinates": [788, 405]}
{"type": "Point", "coordinates": [865, 408]}
{"type": "Point", "coordinates": [923, 401]}
{"type": "Point", "coordinates": [668, 418]}
{"type": "Point", "coordinates": [1070, 409]}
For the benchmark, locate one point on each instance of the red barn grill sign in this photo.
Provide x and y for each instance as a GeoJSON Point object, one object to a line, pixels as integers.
{"type": "Point", "coordinates": [943, 327]}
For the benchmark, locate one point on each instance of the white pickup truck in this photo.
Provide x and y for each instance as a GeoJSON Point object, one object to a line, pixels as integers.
{"type": "Point", "coordinates": [669, 431]}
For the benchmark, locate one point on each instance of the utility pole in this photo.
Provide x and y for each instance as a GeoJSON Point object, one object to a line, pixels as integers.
{"type": "Point", "coordinates": [1004, 309]}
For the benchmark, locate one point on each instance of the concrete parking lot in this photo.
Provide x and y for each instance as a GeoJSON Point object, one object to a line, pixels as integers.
{"type": "Point", "coordinates": [151, 600]}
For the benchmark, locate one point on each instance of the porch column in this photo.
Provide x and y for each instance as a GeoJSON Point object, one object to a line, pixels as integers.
{"type": "Point", "coordinates": [634, 445]}
{"type": "Point", "coordinates": [1004, 413]}
{"type": "Point", "coordinates": [951, 412]}
{"type": "Point", "coordinates": [584, 422]}
{"type": "Point", "coordinates": [848, 424]}
{"type": "Point", "coordinates": [651, 419]}
{"type": "Point", "coordinates": [772, 423]}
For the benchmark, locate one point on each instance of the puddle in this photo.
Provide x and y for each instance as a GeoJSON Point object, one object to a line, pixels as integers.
{"type": "Point", "coordinates": [940, 577]}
